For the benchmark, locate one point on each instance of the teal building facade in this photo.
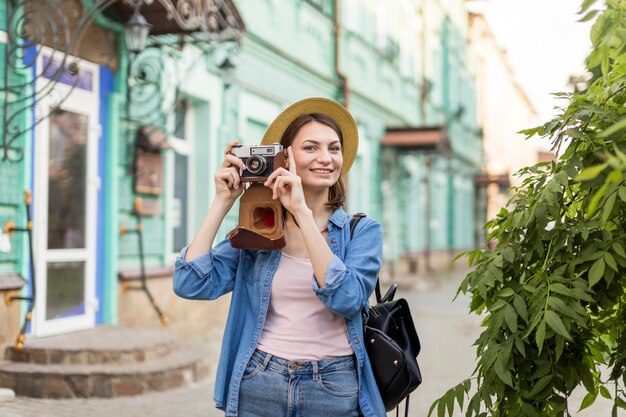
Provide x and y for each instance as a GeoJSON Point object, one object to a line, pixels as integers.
{"type": "Point", "coordinates": [403, 69]}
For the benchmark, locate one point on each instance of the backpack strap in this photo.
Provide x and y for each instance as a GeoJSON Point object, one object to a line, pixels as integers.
{"type": "Point", "coordinates": [356, 218]}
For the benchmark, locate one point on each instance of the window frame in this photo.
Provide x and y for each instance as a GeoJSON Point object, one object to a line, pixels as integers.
{"type": "Point", "coordinates": [181, 146]}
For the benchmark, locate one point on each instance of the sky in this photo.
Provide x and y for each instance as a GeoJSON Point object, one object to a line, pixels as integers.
{"type": "Point", "coordinates": [545, 44]}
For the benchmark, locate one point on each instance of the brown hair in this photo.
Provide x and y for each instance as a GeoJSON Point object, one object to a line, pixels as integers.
{"type": "Point", "coordinates": [337, 191]}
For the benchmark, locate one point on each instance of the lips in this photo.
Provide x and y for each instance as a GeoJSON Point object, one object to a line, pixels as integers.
{"type": "Point", "coordinates": [322, 171]}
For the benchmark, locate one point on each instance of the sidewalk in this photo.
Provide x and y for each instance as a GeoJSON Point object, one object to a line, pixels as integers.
{"type": "Point", "coordinates": [445, 329]}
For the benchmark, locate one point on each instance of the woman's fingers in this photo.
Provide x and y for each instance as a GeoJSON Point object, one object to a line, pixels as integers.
{"type": "Point", "coordinates": [292, 161]}
{"type": "Point", "coordinates": [230, 146]}
{"type": "Point", "coordinates": [227, 176]}
{"type": "Point", "coordinates": [279, 172]}
{"type": "Point", "coordinates": [232, 160]}
{"type": "Point", "coordinates": [275, 186]}
{"type": "Point", "coordinates": [229, 158]}
{"type": "Point", "coordinates": [234, 173]}
{"type": "Point", "coordinates": [282, 183]}
{"type": "Point", "coordinates": [279, 185]}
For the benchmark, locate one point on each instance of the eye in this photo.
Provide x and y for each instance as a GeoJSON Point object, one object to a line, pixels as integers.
{"type": "Point", "coordinates": [335, 149]}
{"type": "Point", "coordinates": [309, 148]}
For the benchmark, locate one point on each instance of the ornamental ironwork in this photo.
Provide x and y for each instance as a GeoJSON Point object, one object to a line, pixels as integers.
{"type": "Point", "coordinates": [44, 42]}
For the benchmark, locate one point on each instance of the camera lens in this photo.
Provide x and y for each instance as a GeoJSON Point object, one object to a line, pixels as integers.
{"type": "Point", "coordinates": [256, 164]}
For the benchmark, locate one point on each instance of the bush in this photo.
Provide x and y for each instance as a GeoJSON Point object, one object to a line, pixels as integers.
{"type": "Point", "coordinates": [552, 291]}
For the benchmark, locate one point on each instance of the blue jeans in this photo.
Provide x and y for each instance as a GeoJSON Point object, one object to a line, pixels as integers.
{"type": "Point", "coordinates": [275, 387]}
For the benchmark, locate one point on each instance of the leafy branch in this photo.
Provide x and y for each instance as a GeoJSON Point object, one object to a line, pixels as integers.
{"type": "Point", "coordinates": [552, 291]}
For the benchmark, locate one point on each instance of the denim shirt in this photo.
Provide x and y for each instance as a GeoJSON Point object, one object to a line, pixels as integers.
{"type": "Point", "coordinates": [350, 279]}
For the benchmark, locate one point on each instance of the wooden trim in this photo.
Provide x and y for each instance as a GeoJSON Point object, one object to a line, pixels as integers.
{"type": "Point", "coordinates": [135, 274]}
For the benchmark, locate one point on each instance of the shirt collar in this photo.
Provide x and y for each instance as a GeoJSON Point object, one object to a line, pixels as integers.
{"type": "Point", "coordinates": [339, 217]}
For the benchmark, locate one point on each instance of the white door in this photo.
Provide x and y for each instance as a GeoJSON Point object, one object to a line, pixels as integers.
{"type": "Point", "coordinates": [65, 201]}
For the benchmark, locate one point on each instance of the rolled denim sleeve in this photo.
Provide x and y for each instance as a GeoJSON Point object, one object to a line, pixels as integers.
{"type": "Point", "coordinates": [350, 282]}
{"type": "Point", "coordinates": [209, 275]}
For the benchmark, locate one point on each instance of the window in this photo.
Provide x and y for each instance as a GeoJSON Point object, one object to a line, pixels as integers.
{"type": "Point", "coordinates": [180, 204]}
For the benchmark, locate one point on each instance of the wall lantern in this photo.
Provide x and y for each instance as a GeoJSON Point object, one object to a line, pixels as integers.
{"type": "Point", "coordinates": [136, 31]}
{"type": "Point", "coordinates": [228, 71]}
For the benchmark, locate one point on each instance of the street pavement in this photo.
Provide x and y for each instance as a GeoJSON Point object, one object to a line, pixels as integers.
{"type": "Point", "coordinates": [446, 333]}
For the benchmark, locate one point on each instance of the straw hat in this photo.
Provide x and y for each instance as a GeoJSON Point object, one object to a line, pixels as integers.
{"type": "Point", "coordinates": [330, 108]}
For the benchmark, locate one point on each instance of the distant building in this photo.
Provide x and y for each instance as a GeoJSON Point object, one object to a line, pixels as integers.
{"type": "Point", "coordinates": [503, 110]}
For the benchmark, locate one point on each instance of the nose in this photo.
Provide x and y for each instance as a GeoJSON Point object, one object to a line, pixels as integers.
{"type": "Point", "coordinates": [324, 157]}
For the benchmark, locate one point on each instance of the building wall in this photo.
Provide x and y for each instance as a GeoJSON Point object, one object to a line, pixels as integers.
{"type": "Point", "coordinates": [503, 110]}
{"type": "Point", "coordinates": [428, 196]}
{"type": "Point", "coordinates": [405, 63]}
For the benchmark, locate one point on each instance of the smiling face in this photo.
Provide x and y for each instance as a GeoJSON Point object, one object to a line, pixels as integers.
{"type": "Point", "coordinates": [317, 151]}
{"type": "Point", "coordinates": [316, 142]}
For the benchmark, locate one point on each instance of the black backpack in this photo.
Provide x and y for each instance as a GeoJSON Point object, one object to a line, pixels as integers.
{"type": "Point", "coordinates": [391, 343]}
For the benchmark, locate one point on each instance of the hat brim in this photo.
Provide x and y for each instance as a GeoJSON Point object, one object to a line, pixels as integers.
{"type": "Point", "coordinates": [330, 108]}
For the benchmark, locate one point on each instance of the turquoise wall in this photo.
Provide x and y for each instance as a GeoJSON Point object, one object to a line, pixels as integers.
{"type": "Point", "coordinates": [14, 178]}
{"type": "Point", "coordinates": [425, 200]}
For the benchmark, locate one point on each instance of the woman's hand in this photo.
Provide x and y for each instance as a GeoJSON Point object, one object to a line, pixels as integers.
{"type": "Point", "coordinates": [228, 185]}
{"type": "Point", "coordinates": [287, 186]}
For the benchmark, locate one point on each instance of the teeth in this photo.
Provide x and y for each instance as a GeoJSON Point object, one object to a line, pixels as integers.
{"type": "Point", "coordinates": [322, 170]}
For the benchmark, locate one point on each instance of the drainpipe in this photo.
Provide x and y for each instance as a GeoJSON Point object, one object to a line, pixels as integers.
{"type": "Point", "coordinates": [428, 212]}
{"type": "Point", "coordinates": [343, 79]}
{"type": "Point", "coordinates": [424, 87]}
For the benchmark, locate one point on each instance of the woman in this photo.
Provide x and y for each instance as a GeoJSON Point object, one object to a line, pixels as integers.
{"type": "Point", "coordinates": [293, 343]}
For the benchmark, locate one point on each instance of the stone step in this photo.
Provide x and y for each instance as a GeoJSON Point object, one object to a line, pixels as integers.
{"type": "Point", "coordinates": [98, 345]}
{"type": "Point", "coordinates": [184, 362]}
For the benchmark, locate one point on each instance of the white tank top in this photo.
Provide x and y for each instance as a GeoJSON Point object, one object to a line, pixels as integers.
{"type": "Point", "coordinates": [298, 325]}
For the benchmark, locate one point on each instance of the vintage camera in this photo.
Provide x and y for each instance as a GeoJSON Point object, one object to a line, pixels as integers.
{"type": "Point", "coordinates": [260, 160]}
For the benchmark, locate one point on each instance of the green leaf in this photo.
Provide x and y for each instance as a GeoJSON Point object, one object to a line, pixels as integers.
{"type": "Point", "coordinates": [605, 393]}
{"type": "Point", "coordinates": [441, 408]}
{"type": "Point", "coordinates": [520, 306]}
{"type": "Point", "coordinates": [619, 250]}
{"type": "Point", "coordinates": [506, 292]}
{"type": "Point", "coordinates": [616, 127]}
{"type": "Point", "coordinates": [521, 348]}
{"type": "Point", "coordinates": [555, 322]}
{"type": "Point", "coordinates": [604, 67]}
{"type": "Point", "coordinates": [529, 410]}
{"type": "Point", "coordinates": [560, 344]}
{"type": "Point", "coordinates": [503, 373]}
{"type": "Point", "coordinates": [596, 272]}
{"type": "Point", "coordinates": [589, 16]}
{"type": "Point", "coordinates": [589, 399]}
{"type": "Point", "coordinates": [608, 207]}
{"type": "Point", "coordinates": [509, 254]}
{"type": "Point", "coordinates": [460, 395]}
{"type": "Point", "coordinates": [432, 407]}
{"type": "Point", "coordinates": [540, 335]}
{"type": "Point", "coordinates": [582, 295]}
{"type": "Point", "coordinates": [595, 200]}
{"type": "Point", "coordinates": [586, 5]}
{"type": "Point", "coordinates": [621, 191]}
{"type": "Point", "coordinates": [449, 399]}
{"type": "Point", "coordinates": [560, 289]}
{"type": "Point", "coordinates": [510, 316]}
{"type": "Point", "coordinates": [610, 261]}
{"type": "Point", "coordinates": [559, 305]}
{"type": "Point", "coordinates": [540, 385]}
{"type": "Point", "coordinates": [497, 305]}
{"type": "Point", "coordinates": [591, 172]}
